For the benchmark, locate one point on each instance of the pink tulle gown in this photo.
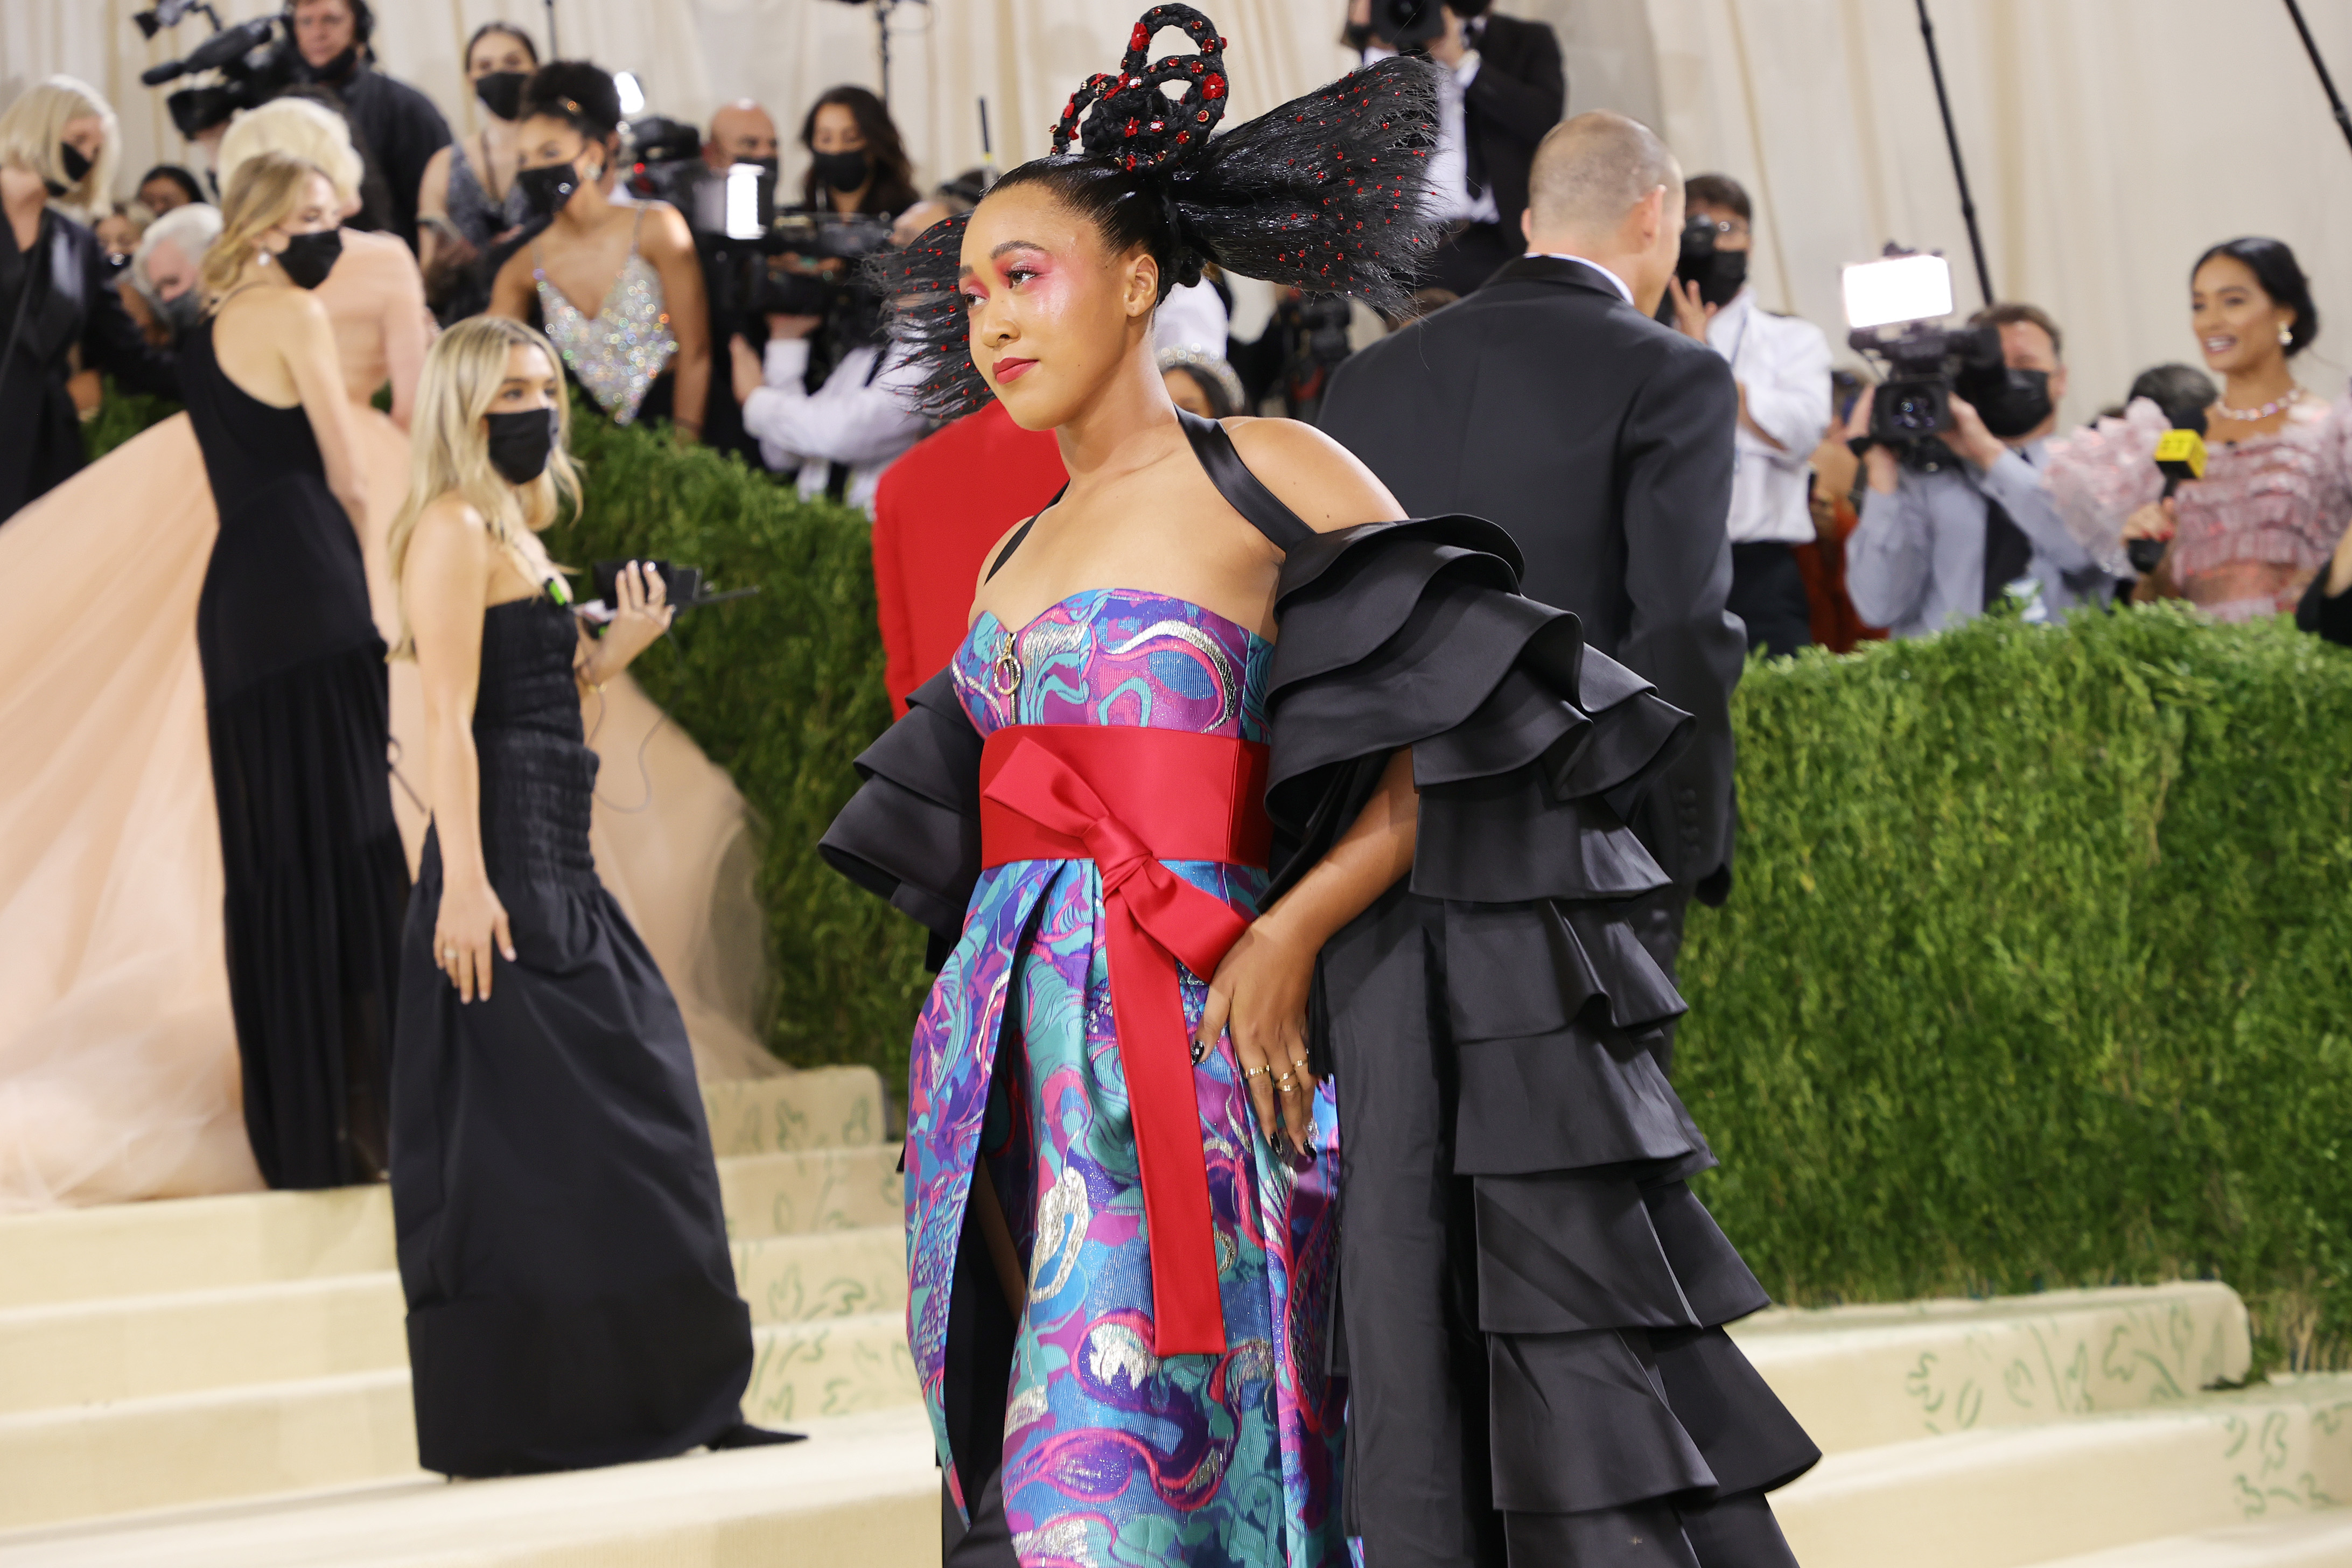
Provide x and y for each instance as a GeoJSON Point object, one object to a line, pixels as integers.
{"type": "Point", "coordinates": [118, 1058]}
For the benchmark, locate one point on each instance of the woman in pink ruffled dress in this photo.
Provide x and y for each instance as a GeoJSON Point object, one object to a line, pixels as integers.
{"type": "Point", "coordinates": [2246, 539]}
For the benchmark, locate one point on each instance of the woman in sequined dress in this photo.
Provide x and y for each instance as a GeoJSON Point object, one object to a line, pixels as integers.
{"type": "Point", "coordinates": [618, 290]}
{"type": "Point", "coordinates": [1233, 738]}
{"type": "Point", "coordinates": [2249, 536]}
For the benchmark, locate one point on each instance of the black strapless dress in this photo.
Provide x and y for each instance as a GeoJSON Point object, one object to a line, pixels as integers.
{"type": "Point", "coordinates": [570, 1298]}
{"type": "Point", "coordinates": [295, 704]}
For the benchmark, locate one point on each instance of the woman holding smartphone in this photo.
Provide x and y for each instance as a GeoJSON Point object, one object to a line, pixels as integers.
{"type": "Point", "coordinates": [570, 1298]}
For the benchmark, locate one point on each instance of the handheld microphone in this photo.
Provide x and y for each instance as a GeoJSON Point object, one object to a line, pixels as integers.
{"type": "Point", "coordinates": [233, 43]}
{"type": "Point", "coordinates": [2179, 455]}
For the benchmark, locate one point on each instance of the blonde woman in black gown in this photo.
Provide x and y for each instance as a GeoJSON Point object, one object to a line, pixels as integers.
{"type": "Point", "coordinates": [570, 1298]}
{"type": "Point", "coordinates": [294, 689]}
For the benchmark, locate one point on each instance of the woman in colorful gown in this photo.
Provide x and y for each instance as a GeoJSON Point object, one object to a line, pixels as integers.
{"type": "Point", "coordinates": [2249, 536]}
{"type": "Point", "coordinates": [1214, 707]}
{"type": "Point", "coordinates": [642, 350]}
{"type": "Point", "coordinates": [570, 1298]}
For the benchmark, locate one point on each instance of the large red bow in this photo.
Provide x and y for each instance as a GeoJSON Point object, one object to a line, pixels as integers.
{"type": "Point", "coordinates": [1153, 918]}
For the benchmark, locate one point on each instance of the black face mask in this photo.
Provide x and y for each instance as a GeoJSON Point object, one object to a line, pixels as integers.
{"type": "Point", "coordinates": [546, 189]}
{"type": "Point", "coordinates": [768, 164]}
{"type": "Point", "coordinates": [309, 257]}
{"type": "Point", "coordinates": [182, 311]}
{"type": "Point", "coordinates": [841, 171]}
{"type": "Point", "coordinates": [76, 166]}
{"type": "Point", "coordinates": [520, 443]}
{"type": "Point", "coordinates": [501, 92]}
{"type": "Point", "coordinates": [1724, 278]}
{"type": "Point", "coordinates": [2015, 404]}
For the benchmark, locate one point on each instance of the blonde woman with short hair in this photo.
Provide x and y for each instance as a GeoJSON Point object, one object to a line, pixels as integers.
{"type": "Point", "coordinates": [57, 150]}
{"type": "Point", "coordinates": [553, 1179]}
{"type": "Point", "coordinates": [294, 689]}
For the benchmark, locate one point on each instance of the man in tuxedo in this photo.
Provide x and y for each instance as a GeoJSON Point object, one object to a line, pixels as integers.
{"type": "Point", "coordinates": [1551, 402]}
{"type": "Point", "coordinates": [1504, 87]}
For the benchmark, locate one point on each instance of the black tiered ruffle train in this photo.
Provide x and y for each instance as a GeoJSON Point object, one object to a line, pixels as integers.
{"type": "Point", "coordinates": [1531, 1299]}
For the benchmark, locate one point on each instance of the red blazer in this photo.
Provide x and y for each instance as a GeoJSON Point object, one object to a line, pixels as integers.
{"type": "Point", "coordinates": [936, 512]}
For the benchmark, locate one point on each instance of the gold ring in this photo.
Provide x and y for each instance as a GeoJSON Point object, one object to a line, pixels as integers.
{"type": "Point", "coordinates": [1285, 1083]}
{"type": "Point", "coordinates": [1248, 1073]}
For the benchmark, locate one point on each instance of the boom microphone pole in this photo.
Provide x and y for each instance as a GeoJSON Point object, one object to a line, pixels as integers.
{"type": "Point", "coordinates": [1952, 139]}
{"type": "Point", "coordinates": [2327, 83]}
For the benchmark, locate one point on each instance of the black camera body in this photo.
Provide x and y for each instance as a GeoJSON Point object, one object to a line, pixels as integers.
{"type": "Point", "coordinates": [1925, 365]}
{"type": "Point", "coordinates": [1407, 23]}
{"type": "Point", "coordinates": [255, 61]}
{"type": "Point", "coordinates": [740, 248]}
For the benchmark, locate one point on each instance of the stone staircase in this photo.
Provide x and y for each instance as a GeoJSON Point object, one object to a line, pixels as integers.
{"type": "Point", "coordinates": [221, 1384]}
{"type": "Point", "coordinates": [225, 1379]}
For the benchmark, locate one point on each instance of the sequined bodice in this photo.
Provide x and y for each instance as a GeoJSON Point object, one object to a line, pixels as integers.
{"type": "Point", "coordinates": [617, 352]}
{"type": "Point", "coordinates": [1117, 656]}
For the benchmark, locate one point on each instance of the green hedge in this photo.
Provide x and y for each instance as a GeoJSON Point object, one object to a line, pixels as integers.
{"type": "Point", "coordinates": [2037, 971]}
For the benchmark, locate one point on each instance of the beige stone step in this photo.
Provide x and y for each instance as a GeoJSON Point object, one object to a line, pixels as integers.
{"type": "Point", "coordinates": [252, 1238]}
{"type": "Point", "coordinates": [863, 1490]}
{"type": "Point", "coordinates": [82, 1353]}
{"type": "Point", "coordinates": [261, 1439]}
{"type": "Point", "coordinates": [2011, 1498]}
{"type": "Point", "coordinates": [2318, 1539]}
{"type": "Point", "coordinates": [1860, 1376]}
{"type": "Point", "coordinates": [815, 1108]}
{"type": "Point", "coordinates": [812, 1190]}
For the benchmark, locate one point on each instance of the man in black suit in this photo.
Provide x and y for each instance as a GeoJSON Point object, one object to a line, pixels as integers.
{"type": "Point", "coordinates": [1550, 402]}
{"type": "Point", "coordinates": [1505, 88]}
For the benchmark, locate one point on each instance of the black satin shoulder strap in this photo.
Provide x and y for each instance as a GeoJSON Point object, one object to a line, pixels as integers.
{"type": "Point", "coordinates": [1240, 487]}
{"type": "Point", "coordinates": [1021, 533]}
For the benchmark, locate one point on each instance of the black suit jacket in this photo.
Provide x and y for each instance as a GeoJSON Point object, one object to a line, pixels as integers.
{"type": "Point", "coordinates": [1602, 441]}
{"type": "Point", "coordinates": [1520, 92]}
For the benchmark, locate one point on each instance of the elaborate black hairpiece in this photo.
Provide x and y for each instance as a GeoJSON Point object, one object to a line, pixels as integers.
{"type": "Point", "coordinates": [1327, 193]}
{"type": "Point", "coordinates": [1136, 123]}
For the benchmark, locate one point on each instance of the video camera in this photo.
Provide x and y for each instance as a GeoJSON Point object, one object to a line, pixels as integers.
{"type": "Point", "coordinates": [1406, 24]}
{"type": "Point", "coordinates": [254, 59]}
{"type": "Point", "coordinates": [742, 232]}
{"type": "Point", "coordinates": [1908, 292]}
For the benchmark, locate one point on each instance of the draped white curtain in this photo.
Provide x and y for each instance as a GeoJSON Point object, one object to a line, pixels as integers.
{"type": "Point", "coordinates": [2107, 141]}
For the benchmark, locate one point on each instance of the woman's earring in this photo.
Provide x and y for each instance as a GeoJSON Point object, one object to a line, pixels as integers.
{"type": "Point", "coordinates": [2286, 337]}
{"type": "Point", "coordinates": [261, 258]}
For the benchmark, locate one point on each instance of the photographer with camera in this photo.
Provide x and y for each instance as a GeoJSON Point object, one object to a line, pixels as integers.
{"type": "Point", "coordinates": [1503, 87]}
{"type": "Point", "coordinates": [1953, 521]}
{"type": "Point", "coordinates": [740, 132]}
{"type": "Point", "coordinates": [397, 128]}
{"type": "Point", "coordinates": [1781, 367]}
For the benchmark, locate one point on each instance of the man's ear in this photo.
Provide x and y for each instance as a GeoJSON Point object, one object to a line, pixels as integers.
{"type": "Point", "coordinates": [1527, 227]}
{"type": "Point", "coordinates": [1650, 216]}
{"type": "Point", "coordinates": [2058, 385]}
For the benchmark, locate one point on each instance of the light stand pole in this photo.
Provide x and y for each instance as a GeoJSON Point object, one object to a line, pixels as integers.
{"type": "Point", "coordinates": [1952, 139]}
{"type": "Point", "coordinates": [2327, 83]}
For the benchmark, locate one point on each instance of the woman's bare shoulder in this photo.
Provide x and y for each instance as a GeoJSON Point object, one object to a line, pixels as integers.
{"type": "Point", "coordinates": [449, 521]}
{"type": "Point", "coordinates": [1327, 485]}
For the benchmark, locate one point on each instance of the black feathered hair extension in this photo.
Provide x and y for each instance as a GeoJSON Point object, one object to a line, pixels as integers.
{"type": "Point", "coordinates": [1327, 193]}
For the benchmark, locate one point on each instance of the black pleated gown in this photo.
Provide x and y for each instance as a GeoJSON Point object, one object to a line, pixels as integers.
{"type": "Point", "coordinates": [570, 1298]}
{"type": "Point", "coordinates": [295, 702]}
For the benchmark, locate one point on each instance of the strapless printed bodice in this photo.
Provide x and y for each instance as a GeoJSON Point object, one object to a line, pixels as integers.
{"type": "Point", "coordinates": [1117, 657]}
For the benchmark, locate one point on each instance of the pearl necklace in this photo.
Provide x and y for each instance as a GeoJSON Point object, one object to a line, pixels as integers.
{"type": "Point", "coordinates": [2255, 416]}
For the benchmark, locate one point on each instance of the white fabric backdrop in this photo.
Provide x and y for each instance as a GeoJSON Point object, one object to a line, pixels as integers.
{"type": "Point", "coordinates": [2108, 141]}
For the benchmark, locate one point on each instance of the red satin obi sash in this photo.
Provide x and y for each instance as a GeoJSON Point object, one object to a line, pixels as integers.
{"type": "Point", "coordinates": [1128, 799]}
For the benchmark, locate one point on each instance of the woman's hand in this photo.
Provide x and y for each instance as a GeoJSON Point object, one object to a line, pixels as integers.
{"type": "Point", "coordinates": [638, 621]}
{"type": "Point", "coordinates": [470, 921]}
{"type": "Point", "coordinates": [1260, 994]}
{"type": "Point", "coordinates": [2154, 521]}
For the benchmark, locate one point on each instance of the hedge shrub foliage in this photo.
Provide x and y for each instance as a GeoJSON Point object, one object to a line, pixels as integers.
{"type": "Point", "coordinates": [2037, 972]}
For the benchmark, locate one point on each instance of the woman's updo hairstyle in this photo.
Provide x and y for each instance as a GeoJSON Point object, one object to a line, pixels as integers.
{"type": "Point", "coordinates": [579, 94]}
{"type": "Point", "coordinates": [1327, 193]}
{"type": "Point", "coordinates": [2275, 269]}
